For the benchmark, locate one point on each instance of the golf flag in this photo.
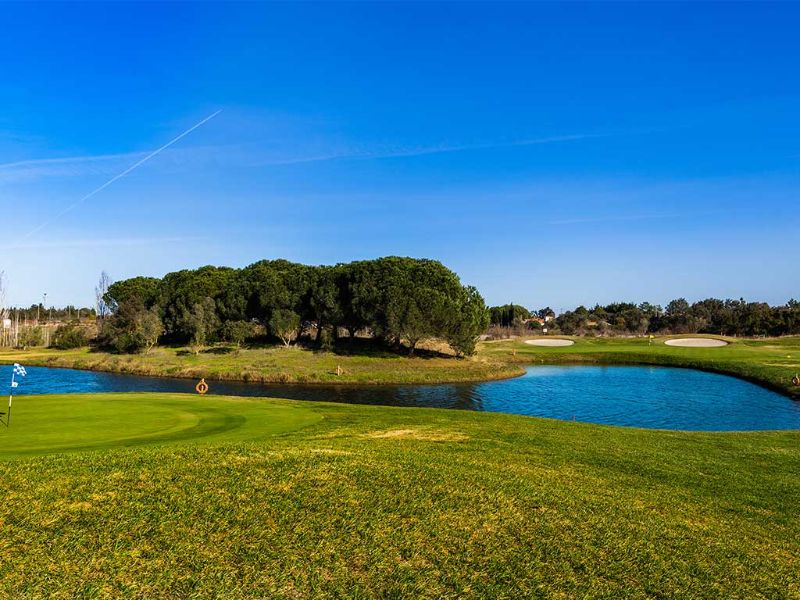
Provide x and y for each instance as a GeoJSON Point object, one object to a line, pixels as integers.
{"type": "Point", "coordinates": [17, 370]}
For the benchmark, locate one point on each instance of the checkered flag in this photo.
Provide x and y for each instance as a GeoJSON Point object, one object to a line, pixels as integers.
{"type": "Point", "coordinates": [18, 370]}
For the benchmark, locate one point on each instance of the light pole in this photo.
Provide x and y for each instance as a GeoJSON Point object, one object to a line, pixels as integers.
{"type": "Point", "coordinates": [44, 303]}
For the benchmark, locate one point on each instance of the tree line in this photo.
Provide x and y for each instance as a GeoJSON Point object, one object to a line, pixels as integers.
{"type": "Point", "coordinates": [396, 300]}
{"type": "Point", "coordinates": [712, 316]}
{"type": "Point", "coordinates": [515, 315]}
{"type": "Point", "coordinates": [41, 313]}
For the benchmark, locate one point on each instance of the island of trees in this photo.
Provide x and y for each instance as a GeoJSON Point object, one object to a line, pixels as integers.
{"type": "Point", "coordinates": [396, 301]}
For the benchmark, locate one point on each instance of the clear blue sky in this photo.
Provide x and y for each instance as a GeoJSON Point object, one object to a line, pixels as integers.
{"type": "Point", "coordinates": [551, 154]}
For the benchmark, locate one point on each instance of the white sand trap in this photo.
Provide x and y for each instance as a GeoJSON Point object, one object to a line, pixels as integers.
{"type": "Point", "coordinates": [550, 343]}
{"type": "Point", "coordinates": [696, 343]}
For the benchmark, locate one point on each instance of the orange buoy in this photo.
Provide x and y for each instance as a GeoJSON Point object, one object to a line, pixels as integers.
{"type": "Point", "coordinates": [201, 387]}
{"type": "Point", "coordinates": [796, 379]}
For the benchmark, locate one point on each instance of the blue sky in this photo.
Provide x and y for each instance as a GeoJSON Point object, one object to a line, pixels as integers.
{"type": "Point", "coordinates": [551, 154]}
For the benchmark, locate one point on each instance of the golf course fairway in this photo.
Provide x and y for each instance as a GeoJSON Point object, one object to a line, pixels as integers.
{"type": "Point", "coordinates": [178, 496]}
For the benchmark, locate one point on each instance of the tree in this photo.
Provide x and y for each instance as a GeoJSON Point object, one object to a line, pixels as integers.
{"type": "Point", "coordinates": [791, 317]}
{"type": "Point", "coordinates": [237, 332]}
{"type": "Point", "coordinates": [202, 324]}
{"type": "Point", "coordinates": [101, 289]}
{"type": "Point", "coordinates": [677, 307]}
{"type": "Point", "coordinates": [423, 302]}
{"type": "Point", "coordinates": [69, 336]}
{"type": "Point", "coordinates": [278, 284]}
{"type": "Point", "coordinates": [195, 305]}
{"type": "Point", "coordinates": [132, 328]}
{"type": "Point", "coordinates": [470, 319]}
{"type": "Point", "coordinates": [285, 324]}
{"type": "Point", "coordinates": [546, 312]}
{"type": "Point", "coordinates": [677, 316]}
{"type": "Point", "coordinates": [410, 314]}
{"type": "Point", "coordinates": [150, 328]}
{"type": "Point", "coordinates": [326, 299]}
{"type": "Point", "coordinates": [181, 291]}
{"type": "Point", "coordinates": [508, 315]}
{"type": "Point", "coordinates": [147, 289]}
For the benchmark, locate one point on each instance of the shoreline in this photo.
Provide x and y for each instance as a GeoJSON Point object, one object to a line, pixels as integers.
{"type": "Point", "coordinates": [764, 383]}
{"type": "Point", "coordinates": [753, 367]}
{"type": "Point", "coordinates": [491, 371]}
{"type": "Point", "coordinates": [493, 362]}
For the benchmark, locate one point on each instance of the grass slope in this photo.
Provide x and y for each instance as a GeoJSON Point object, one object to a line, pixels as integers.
{"type": "Point", "coordinates": [770, 362]}
{"type": "Point", "coordinates": [312, 500]}
{"type": "Point", "coordinates": [275, 365]}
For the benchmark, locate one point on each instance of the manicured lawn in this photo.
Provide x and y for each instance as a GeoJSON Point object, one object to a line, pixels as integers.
{"type": "Point", "coordinates": [67, 423]}
{"type": "Point", "coordinates": [771, 362]}
{"type": "Point", "coordinates": [232, 498]}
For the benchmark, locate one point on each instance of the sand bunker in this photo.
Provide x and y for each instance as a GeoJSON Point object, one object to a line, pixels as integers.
{"type": "Point", "coordinates": [551, 343]}
{"type": "Point", "coordinates": [696, 343]}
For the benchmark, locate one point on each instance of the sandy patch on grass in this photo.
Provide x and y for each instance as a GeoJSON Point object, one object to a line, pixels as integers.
{"type": "Point", "coordinates": [696, 343]}
{"type": "Point", "coordinates": [428, 435]}
{"type": "Point", "coordinates": [553, 343]}
{"type": "Point", "coordinates": [330, 451]}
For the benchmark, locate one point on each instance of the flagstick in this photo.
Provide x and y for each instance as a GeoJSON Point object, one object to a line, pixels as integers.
{"type": "Point", "coordinates": [10, 396]}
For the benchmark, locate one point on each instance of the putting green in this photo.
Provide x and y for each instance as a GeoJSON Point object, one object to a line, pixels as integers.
{"type": "Point", "coordinates": [72, 422]}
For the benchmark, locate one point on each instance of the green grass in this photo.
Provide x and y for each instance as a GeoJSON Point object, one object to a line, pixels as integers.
{"type": "Point", "coordinates": [235, 498]}
{"type": "Point", "coordinates": [275, 365]}
{"type": "Point", "coordinates": [66, 423]}
{"type": "Point", "coordinates": [770, 362]}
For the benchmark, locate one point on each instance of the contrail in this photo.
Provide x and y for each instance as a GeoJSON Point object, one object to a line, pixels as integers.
{"type": "Point", "coordinates": [137, 164]}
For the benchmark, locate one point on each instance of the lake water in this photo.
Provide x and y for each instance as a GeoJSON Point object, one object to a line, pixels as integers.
{"type": "Point", "coordinates": [637, 396]}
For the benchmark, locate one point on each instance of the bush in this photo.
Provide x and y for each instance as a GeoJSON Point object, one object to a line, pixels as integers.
{"type": "Point", "coordinates": [69, 336]}
{"type": "Point", "coordinates": [31, 336]}
{"type": "Point", "coordinates": [326, 340]}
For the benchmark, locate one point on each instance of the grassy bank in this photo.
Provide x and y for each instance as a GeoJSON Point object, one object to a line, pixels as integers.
{"type": "Point", "coordinates": [770, 362]}
{"type": "Point", "coordinates": [236, 498]}
{"type": "Point", "coordinates": [276, 365]}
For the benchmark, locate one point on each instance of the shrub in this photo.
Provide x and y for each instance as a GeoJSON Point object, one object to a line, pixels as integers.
{"type": "Point", "coordinates": [326, 339]}
{"type": "Point", "coordinates": [69, 336]}
{"type": "Point", "coordinates": [31, 336]}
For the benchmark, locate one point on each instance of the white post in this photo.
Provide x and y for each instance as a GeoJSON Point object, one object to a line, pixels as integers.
{"type": "Point", "coordinates": [10, 396]}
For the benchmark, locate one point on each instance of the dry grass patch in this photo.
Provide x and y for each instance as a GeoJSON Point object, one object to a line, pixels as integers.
{"type": "Point", "coordinates": [425, 435]}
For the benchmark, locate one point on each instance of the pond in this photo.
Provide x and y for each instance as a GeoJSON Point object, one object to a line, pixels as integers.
{"type": "Point", "coordinates": [637, 396]}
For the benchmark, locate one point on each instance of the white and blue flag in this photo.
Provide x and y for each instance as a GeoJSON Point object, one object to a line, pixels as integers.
{"type": "Point", "coordinates": [18, 370]}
